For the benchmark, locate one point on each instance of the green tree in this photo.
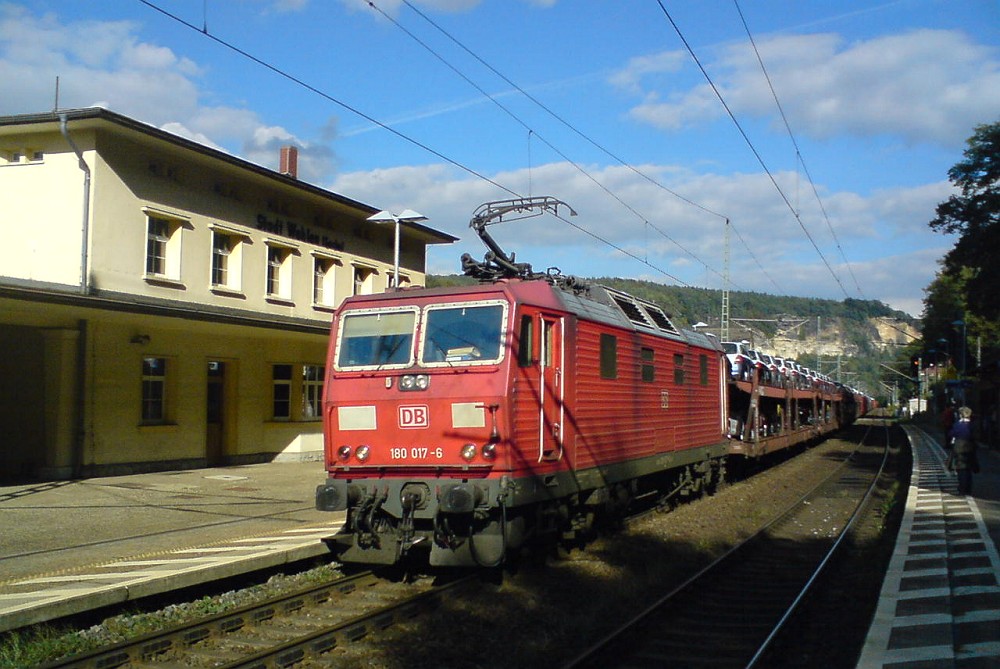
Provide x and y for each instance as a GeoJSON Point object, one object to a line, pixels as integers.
{"type": "Point", "coordinates": [974, 215]}
{"type": "Point", "coordinates": [944, 306]}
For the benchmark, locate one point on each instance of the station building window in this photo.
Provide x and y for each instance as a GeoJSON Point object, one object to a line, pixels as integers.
{"type": "Point", "coordinates": [227, 259]}
{"type": "Point", "coordinates": [312, 392]}
{"type": "Point", "coordinates": [325, 280]}
{"type": "Point", "coordinates": [281, 376]}
{"type": "Point", "coordinates": [679, 369]}
{"type": "Point", "coordinates": [703, 369]}
{"type": "Point", "coordinates": [154, 391]}
{"type": "Point", "coordinates": [297, 385]}
{"type": "Point", "coordinates": [390, 279]}
{"type": "Point", "coordinates": [157, 238]}
{"type": "Point", "coordinates": [163, 246]}
{"type": "Point", "coordinates": [364, 279]}
{"type": "Point", "coordinates": [222, 247]}
{"type": "Point", "coordinates": [279, 271]}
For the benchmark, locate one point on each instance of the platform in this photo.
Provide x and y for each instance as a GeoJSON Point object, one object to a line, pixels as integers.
{"type": "Point", "coordinates": [67, 547]}
{"type": "Point", "coordinates": [940, 600]}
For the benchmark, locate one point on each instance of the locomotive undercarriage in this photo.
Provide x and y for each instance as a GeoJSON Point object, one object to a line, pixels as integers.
{"type": "Point", "coordinates": [460, 523]}
{"type": "Point", "coordinates": [481, 522]}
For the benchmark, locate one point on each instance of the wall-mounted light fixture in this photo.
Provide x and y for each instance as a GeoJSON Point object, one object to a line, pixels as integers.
{"type": "Point", "coordinates": [139, 339]}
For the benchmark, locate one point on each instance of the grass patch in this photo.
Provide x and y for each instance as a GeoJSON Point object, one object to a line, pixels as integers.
{"type": "Point", "coordinates": [45, 643]}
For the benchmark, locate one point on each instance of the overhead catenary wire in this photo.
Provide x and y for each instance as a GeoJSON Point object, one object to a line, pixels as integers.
{"type": "Point", "coordinates": [588, 139]}
{"type": "Point", "coordinates": [340, 103]}
{"type": "Point", "coordinates": [557, 116]}
{"type": "Point", "coordinates": [753, 149]}
{"type": "Point", "coordinates": [798, 152]}
{"type": "Point", "coordinates": [540, 137]}
{"type": "Point", "coordinates": [313, 89]}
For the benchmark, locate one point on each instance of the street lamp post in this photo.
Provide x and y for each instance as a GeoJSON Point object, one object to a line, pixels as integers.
{"type": "Point", "coordinates": [406, 216]}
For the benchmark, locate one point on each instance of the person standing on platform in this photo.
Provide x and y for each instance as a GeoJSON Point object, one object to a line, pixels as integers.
{"type": "Point", "coordinates": [948, 420]}
{"type": "Point", "coordinates": [963, 459]}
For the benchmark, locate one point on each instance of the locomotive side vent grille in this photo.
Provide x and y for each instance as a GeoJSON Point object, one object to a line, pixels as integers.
{"type": "Point", "coordinates": [631, 310]}
{"type": "Point", "coordinates": [659, 317]}
{"type": "Point", "coordinates": [642, 312]}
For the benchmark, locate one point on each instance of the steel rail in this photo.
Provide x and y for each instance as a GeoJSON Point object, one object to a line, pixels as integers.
{"type": "Point", "coordinates": [587, 657]}
{"type": "Point", "coordinates": [822, 565]}
{"type": "Point", "coordinates": [143, 648]}
{"type": "Point", "coordinates": [324, 640]}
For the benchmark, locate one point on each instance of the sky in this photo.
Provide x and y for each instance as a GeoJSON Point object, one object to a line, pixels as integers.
{"type": "Point", "coordinates": [819, 132]}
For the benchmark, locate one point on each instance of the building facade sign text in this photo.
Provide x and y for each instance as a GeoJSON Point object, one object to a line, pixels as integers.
{"type": "Point", "coordinates": [286, 228]}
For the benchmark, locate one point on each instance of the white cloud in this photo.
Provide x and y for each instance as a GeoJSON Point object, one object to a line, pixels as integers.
{"type": "Point", "coordinates": [94, 61]}
{"type": "Point", "coordinates": [640, 68]}
{"type": "Point", "coordinates": [827, 88]}
{"type": "Point", "coordinates": [106, 64]}
{"type": "Point", "coordinates": [893, 278]}
{"type": "Point", "coordinates": [878, 233]}
{"type": "Point", "coordinates": [684, 110]}
{"type": "Point", "coordinates": [392, 7]}
{"type": "Point", "coordinates": [157, 58]}
{"type": "Point", "coordinates": [182, 130]}
{"type": "Point", "coordinates": [925, 85]}
{"type": "Point", "coordinates": [906, 208]}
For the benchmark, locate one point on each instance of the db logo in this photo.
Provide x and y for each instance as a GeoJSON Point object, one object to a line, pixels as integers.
{"type": "Point", "coordinates": [414, 416]}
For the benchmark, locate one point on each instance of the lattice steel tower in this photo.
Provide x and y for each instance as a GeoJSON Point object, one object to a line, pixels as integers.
{"type": "Point", "coordinates": [724, 325]}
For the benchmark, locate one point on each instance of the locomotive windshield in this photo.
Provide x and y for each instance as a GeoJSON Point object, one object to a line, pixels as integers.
{"type": "Point", "coordinates": [468, 333]}
{"type": "Point", "coordinates": [463, 333]}
{"type": "Point", "coordinates": [372, 339]}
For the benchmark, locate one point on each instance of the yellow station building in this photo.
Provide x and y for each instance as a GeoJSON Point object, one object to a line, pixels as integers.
{"type": "Point", "coordinates": [167, 305]}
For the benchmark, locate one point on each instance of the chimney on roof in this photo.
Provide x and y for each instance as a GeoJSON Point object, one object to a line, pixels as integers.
{"type": "Point", "coordinates": [289, 163]}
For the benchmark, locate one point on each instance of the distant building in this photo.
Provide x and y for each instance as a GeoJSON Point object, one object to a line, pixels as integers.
{"type": "Point", "coordinates": [164, 304]}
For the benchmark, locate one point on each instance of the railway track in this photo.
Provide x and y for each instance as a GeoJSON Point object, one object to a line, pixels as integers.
{"type": "Point", "coordinates": [325, 620]}
{"type": "Point", "coordinates": [279, 632]}
{"type": "Point", "coordinates": [728, 614]}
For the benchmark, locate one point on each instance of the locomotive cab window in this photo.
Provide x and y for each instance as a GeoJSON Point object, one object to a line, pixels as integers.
{"type": "Point", "coordinates": [525, 342]}
{"type": "Point", "coordinates": [549, 343]}
{"type": "Point", "coordinates": [468, 333]}
{"type": "Point", "coordinates": [609, 356]}
{"type": "Point", "coordinates": [376, 339]}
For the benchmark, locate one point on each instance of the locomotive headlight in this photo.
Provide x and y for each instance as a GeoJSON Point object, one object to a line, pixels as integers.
{"type": "Point", "coordinates": [490, 451]}
{"type": "Point", "coordinates": [468, 452]}
{"type": "Point", "coordinates": [363, 452]}
{"type": "Point", "coordinates": [344, 453]}
{"type": "Point", "coordinates": [414, 382]}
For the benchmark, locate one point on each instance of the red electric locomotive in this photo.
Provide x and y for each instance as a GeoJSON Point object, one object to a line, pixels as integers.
{"type": "Point", "coordinates": [460, 422]}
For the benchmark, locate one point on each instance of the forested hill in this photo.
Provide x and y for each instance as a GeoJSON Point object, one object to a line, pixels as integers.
{"type": "Point", "coordinates": [846, 339]}
{"type": "Point", "coordinates": [692, 305]}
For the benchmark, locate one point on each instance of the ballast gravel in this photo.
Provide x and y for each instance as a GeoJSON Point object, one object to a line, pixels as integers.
{"type": "Point", "coordinates": [542, 612]}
